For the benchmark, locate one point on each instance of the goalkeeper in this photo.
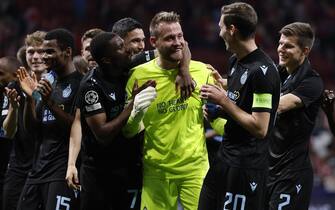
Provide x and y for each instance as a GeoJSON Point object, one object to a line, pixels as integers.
{"type": "Point", "coordinates": [175, 158]}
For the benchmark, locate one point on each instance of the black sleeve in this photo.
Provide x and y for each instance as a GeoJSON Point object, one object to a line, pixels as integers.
{"type": "Point", "coordinates": [142, 57]}
{"type": "Point", "coordinates": [309, 90]}
{"type": "Point", "coordinates": [90, 101]}
{"type": "Point", "coordinates": [262, 82]}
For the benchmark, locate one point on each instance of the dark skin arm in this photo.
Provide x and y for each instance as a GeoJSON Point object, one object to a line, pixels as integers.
{"type": "Point", "coordinates": [184, 80]}
{"type": "Point", "coordinates": [104, 131]}
{"type": "Point", "coordinates": [62, 117]}
{"type": "Point", "coordinates": [327, 106]}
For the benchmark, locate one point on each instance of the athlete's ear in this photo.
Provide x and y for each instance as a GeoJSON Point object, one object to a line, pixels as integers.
{"type": "Point", "coordinates": [232, 29]}
{"type": "Point", "coordinates": [68, 52]}
{"type": "Point", "coordinates": [153, 40]}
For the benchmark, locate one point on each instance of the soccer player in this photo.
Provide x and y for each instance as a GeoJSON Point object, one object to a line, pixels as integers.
{"type": "Point", "coordinates": [175, 158]}
{"type": "Point", "coordinates": [45, 187]}
{"type": "Point", "coordinates": [238, 178]}
{"type": "Point", "coordinates": [85, 47]}
{"type": "Point", "coordinates": [8, 66]}
{"type": "Point", "coordinates": [101, 104]}
{"type": "Point", "coordinates": [21, 157]}
{"type": "Point", "coordinates": [290, 179]}
{"type": "Point", "coordinates": [328, 108]}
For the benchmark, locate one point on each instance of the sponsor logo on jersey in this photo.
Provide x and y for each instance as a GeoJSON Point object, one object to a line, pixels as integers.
{"type": "Point", "coordinates": [67, 91]}
{"type": "Point", "coordinates": [47, 116]}
{"type": "Point", "coordinates": [173, 105]}
{"type": "Point", "coordinates": [91, 97]}
{"type": "Point", "coordinates": [233, 95]}
{"type": "Point", "coordinates": [244, 77]}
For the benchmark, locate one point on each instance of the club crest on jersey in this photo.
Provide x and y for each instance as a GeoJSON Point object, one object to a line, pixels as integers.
{"type": "Point", "coordinates": [91, 97]}
{"type": "Point", "coordinates": [244, 77]}
{"type": "Point", "coordinates": [67, 91]}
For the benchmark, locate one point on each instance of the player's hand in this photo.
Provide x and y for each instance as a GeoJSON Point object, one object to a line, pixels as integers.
{"type": "Point", "coordinates": [219, 81]}
{"type": "Point", "coordinates": [137, 89]}
{"type": "Point", "coordinates": [27, 82]}
{"type": "Point", "coordinates": [214, 94]}
{"type": "Point", "coordinates": [72, 177]}
{"type": "Point", "coordinates": [184, 81]}
{"type": "Point", "coordinates": [13, 97]}
{"type": "Point", "coordinates": [328, 101]}
{"type": "Point", "coordinates": [45, 89]}
{"type": "Point", "coordinates": [144, 98]}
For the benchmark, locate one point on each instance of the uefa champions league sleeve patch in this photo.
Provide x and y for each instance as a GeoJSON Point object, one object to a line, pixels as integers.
{"type": "Point", "coordinates": [91, 101]}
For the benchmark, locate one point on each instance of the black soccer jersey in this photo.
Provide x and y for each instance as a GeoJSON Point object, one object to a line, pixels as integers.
{"type": "Point", "coordinates": [21, 155]}
{"type": "Point", "coordinates": [290, 138]}
{"type": "Point", "coordinates": [254, 86]}
{"type": "Point", "coordinates": [99, 95]}
{"type": "Point", "coordinates": [52, 154]}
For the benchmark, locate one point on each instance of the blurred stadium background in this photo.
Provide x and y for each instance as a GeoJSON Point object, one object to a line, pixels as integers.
{"type": "Point", "coordinates": [200, 24]}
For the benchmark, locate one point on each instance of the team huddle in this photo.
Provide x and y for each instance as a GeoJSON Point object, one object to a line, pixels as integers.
{"type": "Point", "coordinates": [122, 128]}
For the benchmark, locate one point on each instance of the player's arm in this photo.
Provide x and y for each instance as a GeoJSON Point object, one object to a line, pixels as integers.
{"type": "Point", "coordinates": [10, 122]}
{"type": "Point", "coordinates": [288, 102]}
{"type": "Point", "coordinates": [143, 97]}
{"type": "Point", "coordinates": [255, 123]}
{"type": "Point", "coordinates": [308, 91]}
{"type": "Point", "coordinates": [28, 84]}
{"type": "Point", "coordinates": [184, 80]}
{"type": "Point", "coordinates": [104, 131]}
{"type": "Point", "coordinates": [74, 149]}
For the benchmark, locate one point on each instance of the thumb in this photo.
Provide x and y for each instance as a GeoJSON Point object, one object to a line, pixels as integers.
{"type": "Point", "coordinates": [76, 180]}
{"type": "Point", "coordinates": [135, 86]}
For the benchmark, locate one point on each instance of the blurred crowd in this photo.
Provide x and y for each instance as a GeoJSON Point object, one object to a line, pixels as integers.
{"type": "Point", "coordinates": [200, 23]}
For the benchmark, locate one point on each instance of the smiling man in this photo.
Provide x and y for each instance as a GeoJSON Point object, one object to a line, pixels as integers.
{"type": "Point", "coordinates": [175, 157]}
{"type": "Point", "coordinates": [290, 172]}
{"type": "Point", "coordinates": [238, 178]}
{"type": "Point", "coordinates": [45, 187]}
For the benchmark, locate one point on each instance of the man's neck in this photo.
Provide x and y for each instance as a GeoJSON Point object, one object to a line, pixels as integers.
{"type": "Point", "coordinates": [165, 64]}
{"type": "Point", "coordinates": [69, 68]}
{"type": "Point", "coordinates": [291, 69]}
{"type": "Point", "coordinates": [244, 48]}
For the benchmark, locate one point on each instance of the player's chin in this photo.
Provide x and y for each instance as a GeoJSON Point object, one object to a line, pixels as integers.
{"type": "Point", "coordinates": [176, 56]}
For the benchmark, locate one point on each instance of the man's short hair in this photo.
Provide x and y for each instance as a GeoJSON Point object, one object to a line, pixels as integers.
{"type": "Point", "coordinates": [243, 16]}
{"type": "Point", "coordinates": [167, 17]}
{"type": "Point", "coordinates": [64, 38]}
{"type": "Point", "coordinates": [91, 33]}
{"type": "Point", "coordinates": [124, 26]}
{"type": "Point", "coordinates": [35, 39]}
{"type": "Point", "coordinates": [99, 45]}
{"type": "Point", "coordinates": [303, 31]}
